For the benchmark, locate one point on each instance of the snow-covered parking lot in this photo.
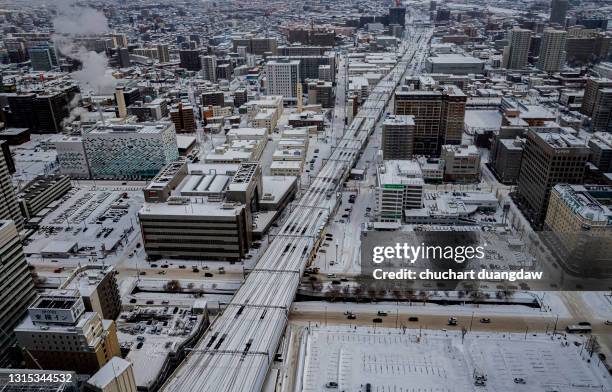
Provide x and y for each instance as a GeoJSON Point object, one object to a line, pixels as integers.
{"type": "Point", "coordinates": [392, 360]}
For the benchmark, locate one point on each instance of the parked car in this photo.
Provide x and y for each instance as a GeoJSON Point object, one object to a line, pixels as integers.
{"type": "Point", "coordinates": [485, 320]}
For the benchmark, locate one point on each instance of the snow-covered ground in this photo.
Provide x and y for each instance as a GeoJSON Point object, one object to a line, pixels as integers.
{"type": "Point", "coordinates": [420, 361]}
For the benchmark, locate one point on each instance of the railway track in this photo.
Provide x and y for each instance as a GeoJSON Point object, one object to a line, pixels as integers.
{"type": "Point", "coordinates": [236, 351]}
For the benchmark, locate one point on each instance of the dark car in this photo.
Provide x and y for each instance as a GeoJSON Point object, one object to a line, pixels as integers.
{"type": "Point", "coordinates": [377, 320]}
{"type": "Point", "coordinates": [413, 319]}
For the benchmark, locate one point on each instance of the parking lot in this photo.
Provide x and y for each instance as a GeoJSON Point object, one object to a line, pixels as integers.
{"type": "Point", "coordinates": [424, 360]}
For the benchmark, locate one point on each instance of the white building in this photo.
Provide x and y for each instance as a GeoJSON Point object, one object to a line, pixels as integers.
{"type": "Point", "coordinates": [130, 151]}
{"type": "Point", "coordinates": [399, 187]}
{"type": "Point", "coordinates": [72, 157]}
{"type": "Point", "coordinates": [283, 78]}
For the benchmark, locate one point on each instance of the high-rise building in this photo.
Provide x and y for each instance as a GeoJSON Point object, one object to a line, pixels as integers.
{"type": "Point", "coordinates": [551, 156]}
{"type": "Point", "coordinates": [41, 58]}
{"type": "Point", "coordinates": [123, 55]}
{"type": "Point", "coordinates": [310, 64]}
{"type": "Point", "coordinates": [552, 50]}
{"type": "Point", "coordinates": [601, 119]}
{"type": "Point", "coordinates": [558, 11]}
{"type": "Point", "coordinates": [283, 78]}
{"type": "Point", "coordinates": [190, 59]}
{"type": "Point", "coordinates": [17, 286]}
{"type": "Point", "coordinates": [131, 151]}
{"type": "Point", "coordinates": [591, 89]}
{"type": "Point", "coordinates": [9, 207]}
{"type": "Point", "coordinates": [600, 145]}
{"type": "Point", "coordinates": [398, 137]}
{"type": "Point", "coordinates": [397, 15]}
{"type": "Point", "coordinates": [163, 53]}
{"type": "Point", "coordinates": [579, 228]}
{"type": "Point", "coordinates": [438, 116]}
{"type": "Point", "coordinates": [209, 68]}
{"type": "Point", "coordinates": [59, 334]}
{"type": "Point", "coordinates": [182, 116]}
{"type": "Point", "coordinates": [515, 55]}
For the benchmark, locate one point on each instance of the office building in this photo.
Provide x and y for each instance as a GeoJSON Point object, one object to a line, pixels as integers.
{"type": "Point", "coordinates": [72, 157]}
{"type": "Point", "coordinates": [399, 187]}
{"type": "Point", "coordinates": [461, 163]}
{"type": "Point", "coordinates": [283, 78]}
{"type": "Point", "coordinates": [321, 93]}
{"type": "Point", "coordinates": [558, 11]}
{"type": "Point", "coordinates": [591, 90]}
{"type": "Point", "coordinates": [8, 156]}
{"type": "Point", "coordinates": [515, 55]}
{"type": "Point", "coordinates": [131, 151]}
{"type": "Point", "coordinates": [17, 287]}
{"type": "Point", "coordinates": [98, 288]}
{"type": "Point", "coordinates": [59, 334]}
{"type": "Point", "coordinates": [183, 118]}
{"type": "Point", "coordinates": [41, 111]}
{"type": "Point", "coordinates": [163, 53]}
{"type": "Point", "coordinates": [9, 207]}
{"type": "Point", "coordinates": [397, 15]}
{"type": "Point", "coordinates": [209, 68]}
{"type": "Point", "coordinates": [41, 58]}
{"type": "Point", "coordinates": [398, 137]}
{"type": "Point", "coordinates": [123, 55]}
{"type": "Point", "coordinates": [213, 98]}
{"type": "Point", "coordinates": [601, 118]}
{"type": "Point", "coordinates": [455, 64]}
{"type": "Point", "coordinates": [507, 162]}
{"type": "Point", "coordinates": [579, 228]}
{"type": "Point", "coordinates": [551, 156]}
{"type": "Point", "coordinates": [600, 145]}
{"type": "Point", "coordinates": [552, 50]}
{"type": "Point", "coordinates": [209, 218]}
{"type": "Point", "coordinates": [190, 59]}
{"type": "Point", "coordinates": [40, 192]}
{"type": "Point", "coordinates": [438, 116]}
{"type": "Point", "coordinates": [154, 110]}
{"type": "Point", "coordinates": [310, 65]}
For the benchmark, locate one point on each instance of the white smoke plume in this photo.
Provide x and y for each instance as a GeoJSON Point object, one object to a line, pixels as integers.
{"type": "Point", "coordinates": [76, 111]}
{"type": "Point", "coordinates": [73, 21]}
